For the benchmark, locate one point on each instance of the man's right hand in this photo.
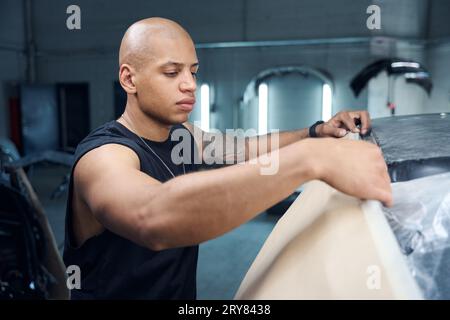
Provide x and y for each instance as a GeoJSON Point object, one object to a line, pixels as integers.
{"type": "Point", "coordinates": [356, 168]}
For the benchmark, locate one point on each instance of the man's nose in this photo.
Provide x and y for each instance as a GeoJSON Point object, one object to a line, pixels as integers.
{"type": "Point", "coordinates": [188, 83]}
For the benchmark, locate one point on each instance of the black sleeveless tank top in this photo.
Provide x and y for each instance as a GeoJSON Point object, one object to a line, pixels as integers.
{"type": "Point", "coordinates": [113, 267]}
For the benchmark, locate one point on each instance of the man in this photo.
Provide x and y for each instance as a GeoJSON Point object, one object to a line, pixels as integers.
{"type": "Point", "coordinates": [135, 218]}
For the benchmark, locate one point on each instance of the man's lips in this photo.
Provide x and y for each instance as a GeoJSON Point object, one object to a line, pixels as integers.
{"type": "Point", "coordinates": [186, 104]}
{"type": "Point", "coordinates": [187, 101]}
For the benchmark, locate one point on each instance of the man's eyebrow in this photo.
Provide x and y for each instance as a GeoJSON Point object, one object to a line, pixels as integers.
{"type": "Point", "coordinates": [177, 64]}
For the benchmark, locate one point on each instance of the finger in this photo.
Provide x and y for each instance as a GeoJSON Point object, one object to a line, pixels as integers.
{"type": "Point", "coordinates": [380, 194]}
{"type": "Point", "coordinates": [386, 191]}
{"type": "Point", "coordinates": [331, 131]}
{"type": "Point", "coordinates": [385, 197]}
{"type": "Point", "coordinates": [365, 121]}
{"type": "Point", "coordinates": [348, 122]}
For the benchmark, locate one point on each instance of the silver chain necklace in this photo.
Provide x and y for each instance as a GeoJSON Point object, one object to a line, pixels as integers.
{"type": "Point", "coordinates": [162, 161]}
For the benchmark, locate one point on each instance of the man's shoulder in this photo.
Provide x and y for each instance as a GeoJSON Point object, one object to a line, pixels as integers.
{"type": "Point", "coordinates": [110, 155]}
{"type": "Point", "coordinates": [108, 141]}
{"type": "Point", "coordinates": [103, 163]}
{"type": "Point", "coordinates": [108, 133]}
{"type": "Point", "coordinates": [108, 129]}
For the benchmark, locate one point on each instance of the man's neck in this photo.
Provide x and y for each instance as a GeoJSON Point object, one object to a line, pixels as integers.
{"type": "Point", "coordinates": [144, 126]}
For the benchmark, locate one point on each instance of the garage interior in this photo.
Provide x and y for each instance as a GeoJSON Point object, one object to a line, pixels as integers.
{"type": "Point", "coordinates": [59, 81]}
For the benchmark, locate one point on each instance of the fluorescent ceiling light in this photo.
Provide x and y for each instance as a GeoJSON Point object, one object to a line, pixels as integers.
{"type": "Point", "coordinates": [404, 64]}
{"type": "Point", "coordinates": [262, 108]}
{"type": "Point", "coordinates": [326, 102]}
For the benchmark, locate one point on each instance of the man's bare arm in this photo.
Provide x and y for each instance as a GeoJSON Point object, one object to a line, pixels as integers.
{"type": "Point", "coordinates": [259, 145]}
{"type": "Point", "coordinates": [200, 206]}
{"type": "Point", "coordinates": [337, 127]}
{"type": "Point", "coordinates": [232, 149]}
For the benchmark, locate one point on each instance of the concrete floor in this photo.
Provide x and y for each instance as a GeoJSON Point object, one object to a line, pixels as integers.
{"type": "Point", "coordinates": [223, 262]}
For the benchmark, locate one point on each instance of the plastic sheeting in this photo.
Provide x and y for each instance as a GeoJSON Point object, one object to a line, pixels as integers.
{"type": "Point", "coordinates": [420, 219]}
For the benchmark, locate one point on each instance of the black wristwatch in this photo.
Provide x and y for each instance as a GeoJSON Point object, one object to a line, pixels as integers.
{"type": "Point", "coordinates": [312, 129]}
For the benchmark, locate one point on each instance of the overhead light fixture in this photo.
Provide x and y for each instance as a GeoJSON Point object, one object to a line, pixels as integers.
{"type": "Point", "coordinates": [326, 102]}
{"type": "Point", "coordinates": [205, 106]}
{"type": "Point", "coordinates": [405, 64]}
{"type": "Point", "coordinates": [262, 108]}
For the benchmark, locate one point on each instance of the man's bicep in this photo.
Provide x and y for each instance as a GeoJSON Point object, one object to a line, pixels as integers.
{"type": "Point", "coordinates": [114, 189]}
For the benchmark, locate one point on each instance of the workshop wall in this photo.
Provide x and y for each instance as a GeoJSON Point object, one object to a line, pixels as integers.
{"type": "Point", "coordinates": [12, 58]}
{"type": "Point", "coordinates": [90, 54]}
{"type": "Point", "coordinates": [230, 79]}
{"type": "Point", "coordinates": [439, 65]}
{"type": "Point", "coordinates": [438, 55]}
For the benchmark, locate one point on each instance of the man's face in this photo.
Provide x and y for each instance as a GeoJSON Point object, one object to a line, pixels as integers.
{"type": "Point", "coordinates": [166, 83]}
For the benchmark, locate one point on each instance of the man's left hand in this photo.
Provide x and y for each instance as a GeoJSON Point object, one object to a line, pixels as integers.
{"type": "Point", "coordinates": [344, 121]}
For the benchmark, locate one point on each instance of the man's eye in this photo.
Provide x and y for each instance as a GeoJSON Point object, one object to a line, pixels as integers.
{"type": "Point", "coordinates": [171, 74]}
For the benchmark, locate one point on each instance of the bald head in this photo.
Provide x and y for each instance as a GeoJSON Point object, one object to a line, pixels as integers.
{"type": "Point", "coordinates": [139, 44]}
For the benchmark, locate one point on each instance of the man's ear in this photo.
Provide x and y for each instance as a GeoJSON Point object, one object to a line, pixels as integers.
{"type": "Point", "coordinates": [126, 78]}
